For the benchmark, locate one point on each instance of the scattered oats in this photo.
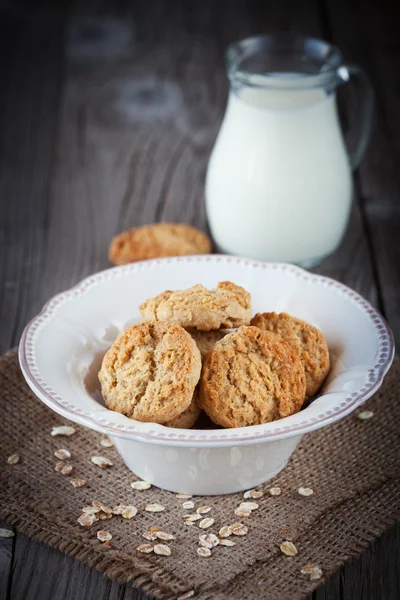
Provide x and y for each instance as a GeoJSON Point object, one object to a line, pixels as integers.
{"type": "Point", "coordinates": [162, 549]}
{"type": "Point", "coordinates": [253, 494]}
{"type": "Point", "coordinates": [275, 491]}
{"type": "Point", "coordinates": [365, 414]}
{"type": "Point", "coordinates": [313, 571]}
{"type": "Point", "coordinates": [103, 507]}
{"type": "Point", "coordinates": [6, 533]}
{"type": "Point", "coordinates": [107, 544]}
{"type": "Point", "coordinates": [127, 511]}
{"type": "Point", "coordinates": [77, 482]}
{"type": "Point", "coordinates": [187, 595]}
{"type": "Point", "coordinates": [87, 520]}
{"type": "Point", "coordinates": [225, 532]}
{"type": "Point", "coordinates": [163, 535]}
{"type": "Point", "coordinates": [62, 454]}
{"type": "Point", "coordinates": [208, 540]}
{"type": "Point", "coordinates": [316, 574]}
{"type": "Point", "coordinates": [242, 512]}
{"type": "Point", "coordinates": [288, 548]}
{"type": "Point", "coordinates": [102, 515]}
{"type": "Point", "coordinates": [305, 491]}
{"type": "Point", "coordinates": [192, 517]}
{"type": "Point", "coordinates": [104, 536]}
{"type": "Point", "coordinates": [256, 494]}
{"type": "Point", "coordinates": [227, 543]}
{"type": "Point", "coordinates": [106, 443]}
{"type": "Point", "coordinates": [188, 504]}
{"type": "Point", "coordinates": [13, 459]}
{"type": "Point", "coordinates": [101, 461]}
{"type": "Point", "coordinates": [249, 505]}
{"type": "Point", "coordinates": [202, 510]}
{"type": "Point", "coordinates": [206, 523]}
{"type": "Point", "coordinates": [154, 508]}
{"type": "Point", "coordinates": [204, 552]}
{"type": "Point", "coordinates": [66, 470]}
{"type": "Point", "coordinates": [62, 430]}
{"type": "Point", "coordinates": [59, 466]}
{"type": "Point", "coordinates": [151, 534]}
{"type": "Point", "coordinates": [184, 496]}
{"type": "Point", "coordinates": [238, 529]}
{"type": "Point", "coordinates": [140, 485]}
{"type": "Point", "coordinates": [90, 510]}
{"type": "Point", "coordinates": [145, 548]}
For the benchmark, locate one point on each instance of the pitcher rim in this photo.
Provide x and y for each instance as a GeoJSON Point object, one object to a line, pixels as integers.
{"type": "Point", "coordinates": [330, 77]}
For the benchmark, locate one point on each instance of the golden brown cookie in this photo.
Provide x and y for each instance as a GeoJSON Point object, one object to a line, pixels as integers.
{"type": "Point", "coordinates": [228, 306]}
{"type": "Point", "coordinates": [150, 372]}
{"type": "Point", "coordinates": [188, 418]}
{"type": "Point", "coordinates": [206, 340]}
{"type": "Point", "coordinates": [251, 377]}
{"type": "Point", "coordinates": [157, 240]}
{"type": "Point", "coordinates": [306, 339]}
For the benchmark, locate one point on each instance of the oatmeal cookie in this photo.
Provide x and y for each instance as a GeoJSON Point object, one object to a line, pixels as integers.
{"type": "Point", "coordinates": [228, 306]}
{"type": "Point", "coordinates": [150, 372]}
{"type": "Point", "coordinates": [251, 377]}
{"type": "Point", "coordinates": [306, 339]}
{"type": "Point", "coordinates": [157, 240]}
{"type": "Point", "coordinates": [188, 417]}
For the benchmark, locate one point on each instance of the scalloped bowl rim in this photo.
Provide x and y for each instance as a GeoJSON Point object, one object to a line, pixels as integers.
{"type": "Point", "coordinates": [154, 433]}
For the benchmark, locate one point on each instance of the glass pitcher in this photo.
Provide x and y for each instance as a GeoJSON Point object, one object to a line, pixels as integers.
{"type": "Point", "coordinates": [279, 179]}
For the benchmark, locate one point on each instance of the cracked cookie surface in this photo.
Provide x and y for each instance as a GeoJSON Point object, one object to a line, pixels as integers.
{"type": "Point", "coordinates": [150, 372]}
{"type": "Point", "coordinates": [188, 417]}
{"type": "Point", "coordinates": [306, 339]}
{"type": "Point", "coordinates": [228, 305]}
{"type": "Point", "coordinates": [251, 377]}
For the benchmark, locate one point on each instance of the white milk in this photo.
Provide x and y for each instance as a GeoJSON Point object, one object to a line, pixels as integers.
{"type": "Point", "coordinates": [279, 183]}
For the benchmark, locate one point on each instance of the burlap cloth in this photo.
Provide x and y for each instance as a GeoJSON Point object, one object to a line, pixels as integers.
{"type": "Point", "coordinates": [352, 466]}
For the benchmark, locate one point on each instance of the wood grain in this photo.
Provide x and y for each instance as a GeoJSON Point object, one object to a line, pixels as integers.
{"type": "Point", "coordinates": [376, 49]}
{"type": "Point", "coordinates": [107, 122]}
{"type": "Point", "coordinates": [29, 101]}
{"type": "Point", "coordinates": [6, 559]}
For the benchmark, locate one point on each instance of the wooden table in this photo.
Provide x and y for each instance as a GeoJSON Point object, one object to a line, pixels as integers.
{"type": "Point", "coordinates": [108, 113]}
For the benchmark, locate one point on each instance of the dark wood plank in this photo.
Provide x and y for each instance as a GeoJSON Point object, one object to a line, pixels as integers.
{"type": "Point", "coordinates": [6, 554]}
{"type": "Point", "coordinates": [58, 576]}
{"type": "Point", "coordinates": [31, 70]}
{"type": "Point", "coordinates": [121, 163]}
{"type": "Point", "coordinates": [376, 48]}
{"type": "Point", "coordinates": [373, 576]}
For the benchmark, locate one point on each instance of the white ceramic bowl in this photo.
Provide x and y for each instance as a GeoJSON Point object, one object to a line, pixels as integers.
{"type": "Point", "coordinates": [61, 351]}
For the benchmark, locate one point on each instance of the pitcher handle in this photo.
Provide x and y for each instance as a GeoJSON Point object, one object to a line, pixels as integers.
{"type": "Point", "coordinates": [360, 128]}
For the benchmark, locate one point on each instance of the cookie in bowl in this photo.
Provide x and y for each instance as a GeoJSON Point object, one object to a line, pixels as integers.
{"type": "Point", "coordinates": [305, 339]}
{"type": "Point", "coordinates": [226, 306]}
{"type": "Point", "coordinates": [251, 377]}
{"type": "Point", "coordinates": [150, 372]}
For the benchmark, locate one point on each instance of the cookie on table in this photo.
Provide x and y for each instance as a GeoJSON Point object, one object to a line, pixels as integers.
{"type": "Point", "coordinates": [156, 241]}
{"type": "Point", "coordinates": [188, 417]}
{"type": "Point", "coordinates": [306, 339]}
{"type": "Point", "coordinates": [150, 372]}
{"type": "Point", "coordinates": [251, 377]}
{"type": "Point", "coordinates": [206, 340]}
{"type": "Point", "coordinates": [227, 306]}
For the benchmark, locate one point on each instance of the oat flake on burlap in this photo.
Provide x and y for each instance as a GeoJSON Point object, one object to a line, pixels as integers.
{"type": "Point", "coordinates": [352, 466]}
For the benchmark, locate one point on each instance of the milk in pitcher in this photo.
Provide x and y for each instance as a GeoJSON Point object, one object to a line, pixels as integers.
{"type": "Point", "coordinates": [279, 183]}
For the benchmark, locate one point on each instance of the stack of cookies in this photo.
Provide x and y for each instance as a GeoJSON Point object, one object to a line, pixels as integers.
{"type": "Point", "coordinates": [201, 349]}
